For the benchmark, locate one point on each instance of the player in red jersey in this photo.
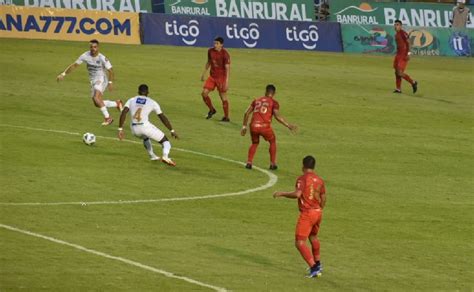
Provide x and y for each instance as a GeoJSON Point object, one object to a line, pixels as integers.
{"type": "Point", "coordinates": [262, 110]}
{"type": "Point", "coordinates": [311, 195]}
{"type": "Point", "coordinates": [218, 59]}
{"type": "Point", "coordinates": [401, 59]}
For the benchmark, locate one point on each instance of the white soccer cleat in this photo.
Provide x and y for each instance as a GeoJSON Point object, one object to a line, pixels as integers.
{"type": "Point", "coordinates": [154, 158]}
{"type": "Point", "coordinates": [107, 121]}
{"type": "Point", "coordinates": [168, 161]}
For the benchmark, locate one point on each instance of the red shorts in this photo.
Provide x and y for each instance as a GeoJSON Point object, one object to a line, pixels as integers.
{"type": "Point", "coordinates": [212, 83]}
{"type": "Point", "coordinates": [400, 63]}
{"type": "Point", "coordinates": [265, 132]}
{"type": "Point", "coordinates": [308, 223]}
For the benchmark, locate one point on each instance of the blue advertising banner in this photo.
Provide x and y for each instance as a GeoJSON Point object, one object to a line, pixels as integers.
{"type": "Point", "coordinates": [241, 33]}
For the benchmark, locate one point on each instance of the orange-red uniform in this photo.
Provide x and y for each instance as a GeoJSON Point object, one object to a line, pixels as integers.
{"type": "Point", "coordinates": [218, 75]}
{"type": "Point", "coordinates": [261, 123]}
{"type": "Point", "coordinates": [401, 61]}
{"type": "Point", "coordinates": [312, 191]}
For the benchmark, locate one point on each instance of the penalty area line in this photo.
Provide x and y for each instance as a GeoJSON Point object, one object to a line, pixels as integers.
{"type": "Point", "coordinates": [116, 258]}
{"type": "Point", "coordinates": [272, 178]}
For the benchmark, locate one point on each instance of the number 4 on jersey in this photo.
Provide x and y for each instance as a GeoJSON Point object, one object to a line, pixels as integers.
{"type": "Point", "coordinates": [138, 115]}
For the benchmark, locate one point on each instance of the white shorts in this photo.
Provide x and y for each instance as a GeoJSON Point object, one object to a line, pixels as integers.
{"type": "Point", "coordinates": [99, 84]}
{"type": "Point", "coordinates": [147, 130]}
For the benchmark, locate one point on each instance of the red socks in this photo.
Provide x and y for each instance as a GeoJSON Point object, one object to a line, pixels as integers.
{"type": "Point", "coordinates": [273, 151]}
{"type": "Point", "coordinates": [208, 102]}
{"type": "Point", "coordinates": [225, 105]}
{"type": "Point", "coordinates": [252, 150]}
{"type": "Point", "coordinates": [316, 245]}
{"type": "Point", "coordinates": [407, 78]}
{"type": "Point", "coordinates": [306, 254]}
{"type": "Point", "coordinates": [399, 82]}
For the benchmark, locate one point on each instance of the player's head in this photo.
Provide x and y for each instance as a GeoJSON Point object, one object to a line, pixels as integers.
{"type": "Point", "coordinates": [143, 89]}
{"type": "Point", "coordinates": [94, 46]}
{"type": "Point", "coordinates": [398, 25]}
{"type": "Point", "coordinates": [218, 43]}
{"type": "Point", "coordinates": [309, 162]}
{"type": "Point", "coordinates": [270, 90]}
{"type": "Point", "coordinates": [461, 3]}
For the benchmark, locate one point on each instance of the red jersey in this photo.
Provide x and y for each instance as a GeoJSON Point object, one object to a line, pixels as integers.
{"type": "Point", "coordinates": [312, 188]}
{"type": "Point", "coordinates": [263, 108]}
{"type": "Point", "coordinates": [402, 43]}
{"type": "Point", "coordinates": [218, 60]}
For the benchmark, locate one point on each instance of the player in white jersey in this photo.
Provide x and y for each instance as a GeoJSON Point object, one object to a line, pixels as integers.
{"type": "Point", "coordinates": [101, 77]}
{"type": "Point", "coordinates": [140, 108]}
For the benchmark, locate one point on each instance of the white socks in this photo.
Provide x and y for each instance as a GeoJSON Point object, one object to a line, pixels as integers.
{"type": "Point", "coordinates": [109, 103]}
{"type": "Point", "coordinates": [166, 148]}
{"type": "Point", "coordinates": [149, 148]}
{"type": "Point", "coordinates": [105, 112]}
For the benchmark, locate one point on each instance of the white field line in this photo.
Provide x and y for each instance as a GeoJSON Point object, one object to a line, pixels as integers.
{"type": "Point", "coordinates": [272, 178]}
{"type": "Point", "coordinates": [120, 259]}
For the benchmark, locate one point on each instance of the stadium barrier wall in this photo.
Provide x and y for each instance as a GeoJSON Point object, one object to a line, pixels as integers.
{"type": "Point", "coordinates": [385, 13]}
{"type": "Point", "coordinates": [240, 33]}
{"type": "Point", "coordinates": [69, 24]}
{"type": "Point", "coordinates": [293, 10]}
{"type": "Point", "coordinates": [426, 41]}
{"type": "Point", "coordinates": [102, 5]}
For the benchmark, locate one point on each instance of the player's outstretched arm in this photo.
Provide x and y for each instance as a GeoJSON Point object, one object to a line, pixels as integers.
{"type": "Point", "coordinates": [68, 70]}
{"type": "Point", "coordinates": [167, 123]}
{"type": "Point", "coordinates": [290, 195]}
{"type": "Point", "coordinates": [246, 120]}
{"type": "Point", "coordinates": [281, 120]}
{"type": "Point", "coordinates": [123, 117]}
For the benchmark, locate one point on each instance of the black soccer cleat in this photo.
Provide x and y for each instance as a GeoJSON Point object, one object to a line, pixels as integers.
{"type": "Point", "coordinates": [273, 167]}
{"type": "Point", "coordinates": [397, 91]}
{"type": "Point", "coordinates": [248, 166]}
{"type": "Point", "coordinates": [316, 271]}
{"type": "Point", "coordinates": [415, 86]}
{"type": "Point", "coordinates": [210, 114]}
{"type": "Point", "coordinates": [225, 119]}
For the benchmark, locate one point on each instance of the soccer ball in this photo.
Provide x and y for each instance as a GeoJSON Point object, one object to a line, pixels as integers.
{"type": "Point", "coordinates": [88, 139]}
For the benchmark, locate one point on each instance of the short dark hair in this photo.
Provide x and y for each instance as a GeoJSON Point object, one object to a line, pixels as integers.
{"type": "Point", "coordinates": [94, 41]}
{"type": "Point", "coordinates": [143, 89]}
{"type": "Point", "coordinates": [219, 39]}
{"type": "Point", "coordinates": [270, 88]}
{"type": "Point", "coordinates": [398, 21]}
{"type": "Point", "coordinates": [309, 162]}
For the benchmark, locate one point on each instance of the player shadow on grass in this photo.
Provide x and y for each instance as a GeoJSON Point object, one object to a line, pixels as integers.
{"type": "Point", "coordinates": [434, 99]}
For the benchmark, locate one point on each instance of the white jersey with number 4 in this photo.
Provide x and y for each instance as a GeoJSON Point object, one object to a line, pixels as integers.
{"type": "Point", "coordinates": [96, 66]}
{"type": "Point", "coordinates": [140, 107]}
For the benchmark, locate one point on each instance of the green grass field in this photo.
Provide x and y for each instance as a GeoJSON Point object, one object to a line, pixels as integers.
{"type": "Point", "coordinates": [398, 170]}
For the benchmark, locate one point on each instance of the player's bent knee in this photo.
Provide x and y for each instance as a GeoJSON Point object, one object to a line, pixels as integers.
{"type": "Point", "coordinates": [299, 242]}
{"type": "Point", "coordinates": [163, 140]}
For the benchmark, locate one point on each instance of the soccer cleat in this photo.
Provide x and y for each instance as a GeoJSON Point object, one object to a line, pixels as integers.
{"type": "Point", "coordinates": [248, 166]}
{"type": "Point", "coordinates": [119, 105]}
{"type": "Point", "coordinates": [225, 119]}
{"type": "Point", "coordinates": [316, 271]}
{"type": "Point", "coordinates": [273, 167]}
{"type": "Point", "coordinates": [415, 86]}
{"type": "Point", "coordinates": [154, 158]}
{"type": "Point", "coordinates": [168, 161]}
{"type": "Point", "coordinates": [107, 121]}
{"type": "Point", "coordinates": [210, 114]}
{"type": "Point", "coordinates": [397, 91]}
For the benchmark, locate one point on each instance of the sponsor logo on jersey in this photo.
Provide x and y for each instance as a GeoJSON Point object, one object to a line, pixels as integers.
{"type": "Point", "coordinates": [141, 100]}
